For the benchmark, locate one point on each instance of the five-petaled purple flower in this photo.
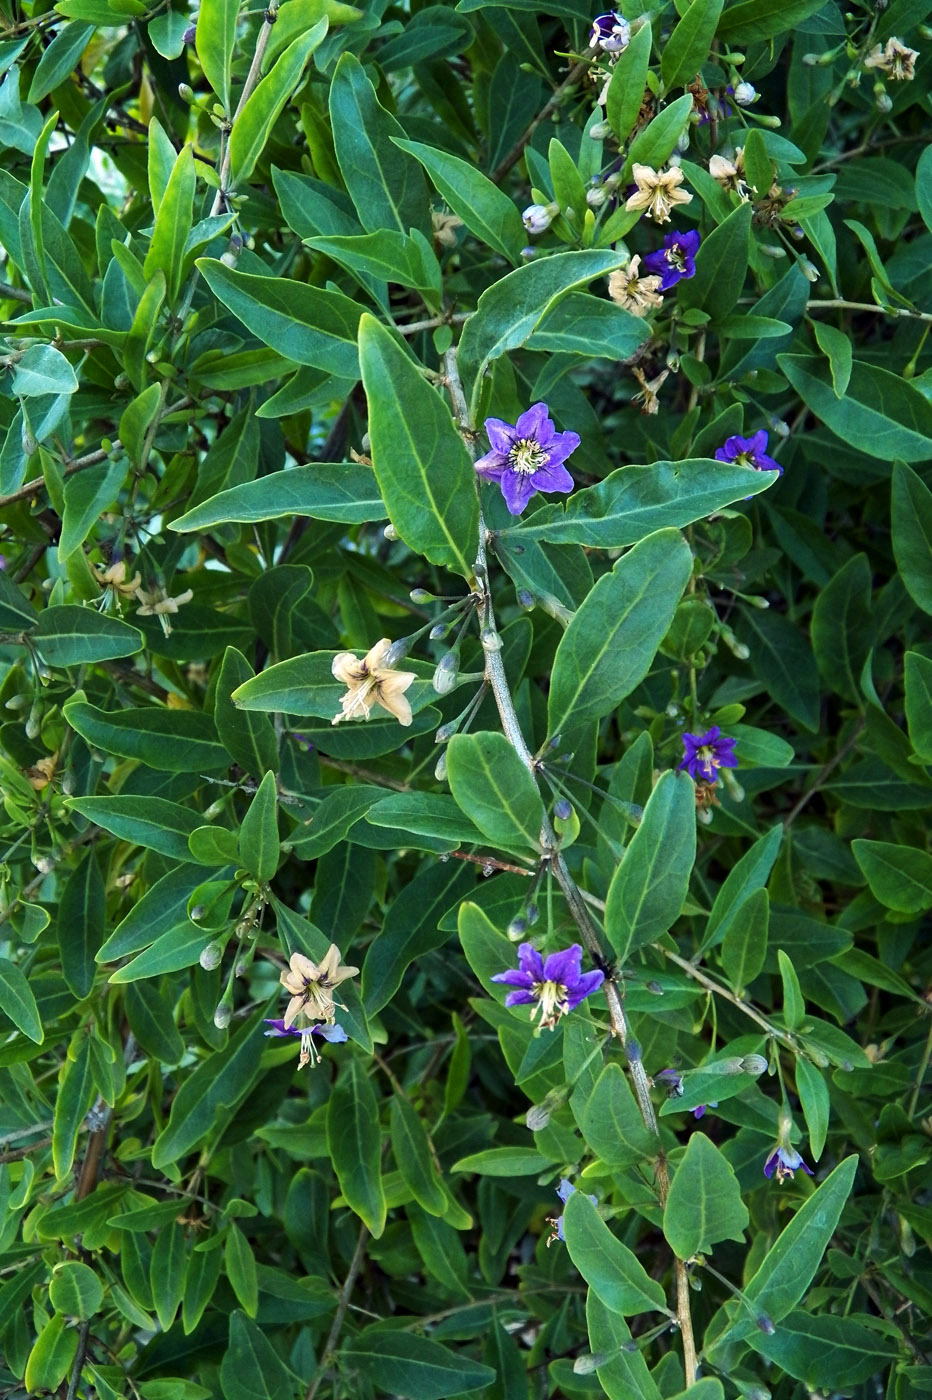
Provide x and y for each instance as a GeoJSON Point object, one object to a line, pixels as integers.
{"type": "Point", "coordinates": [706, 753]}
{"type": "Point", "coordinates": [784, 1160]}
{"type": "Point", "coordinates": [553, 985]}
{"type": "Point", "coordinates": [611, 33]}
{"type": "Point", "coordinates": [527, 457]}
{"type": "Point", "coordinates": [748, 452]}
{"type": "Point", "coordinates": [335, 1034]}
{"type": "Point", "coordinates": [564, 1191]}
{"type": "Point", "coordinates": [676, 260]}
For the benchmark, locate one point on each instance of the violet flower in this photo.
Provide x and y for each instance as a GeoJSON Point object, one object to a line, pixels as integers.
{"type": "Point", "coordinates": [336, 1035]}
{"type": "Point", "coordinates": [676, 260]}
{"type": "Point", "coordinates": [748, 452]}
{"type": "Point", "coordinates": [706, 753]}
{"type": "Point", "coordinates": [674, 1080]}
{"type": "Point", "coordinates": [784, 1160]}
{"type": "Point", "coordinates": [564, 1191]}
{"type": "Point", "coordinates": [611, 33]}
{"type": "Point", "coordinates": [552, 986]}
{"type": "Point", "coordinates": [527, 457]}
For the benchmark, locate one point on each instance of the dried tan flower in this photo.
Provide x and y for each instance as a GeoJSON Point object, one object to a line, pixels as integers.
{"type": "Point", "coordinates": [894, 59]}
{"type": "Point", "coordinates": [647, 395]}
{"type": "Point", "coordinates": [370, 683]}
{"type": "Point", "coordinates": [730, 173]}
{"type": "Point", "coordinates": [444, 228]}
{"type": "Point", "coordinates": [657, 191]}
{"type": "Point", "coordinates": [310, 985]}
{"type": "Point", "coordinates": [632, 292]}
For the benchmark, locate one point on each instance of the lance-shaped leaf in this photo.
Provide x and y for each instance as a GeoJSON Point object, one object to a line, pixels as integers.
{"type": "Point", "coordinates": [484, 208]}
{"type": "Point", "coordinates": [305, 685]}
{"type": "Point", "coordinates": [354, 1140]}
{"type": "Point", "coordinates": [622, 1372]}
{"type": "Point", "coordinates": [493, 787]}
{"type": "Point", "coordinates": [912, 533]}
{"type": "Point", "coordinates": [172, 225]}
{"type": "Point", "coordinates": [608, 647]}
{"type": "Point", "coordinates": [258, 838]}
{"type": "Point", "coordinates": [704, 1204]}
{"type": "Point", "coordinates": [423, 469]}
{"type": "Point", "coordinates": [880, 414]}
{"type": "Point", "coordinates": [214, 40]}
{"type": "Point", "coordinates": [633, 502]}
{"type": "Point", "coordinates": [721, 266]}
{"type": "Point", "coordinates": [649, 887]}
{"type": "Point", "coordinates": [69, 635]}
{"type": "Point", "coordinates": [609, 1267]}
{"type": "Point", "coordinates": [346, 492]}
{"type": "Point", "coordinates": [253, 124]}
{"type": "Point", "coordinates": [403, 1363]}
{"type": "Point", "coordinates": [176, 741]}
{"type": "Point", "coordinates": [687, 48]}
{"type": "Point", "coordinates": [18, 1002]}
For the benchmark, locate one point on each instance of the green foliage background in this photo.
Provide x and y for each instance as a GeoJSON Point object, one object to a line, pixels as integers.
{"type": "Point", "coordinates": [246, 369]}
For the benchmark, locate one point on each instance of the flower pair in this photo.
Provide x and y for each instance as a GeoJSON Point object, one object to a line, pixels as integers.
{"type": "Point", "coordinates": [311, 987]}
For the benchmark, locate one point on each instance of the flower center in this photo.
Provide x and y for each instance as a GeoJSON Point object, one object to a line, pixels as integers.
{"type": "Point", "coordinates": [708, 757]}
{"type": "Point", "coordinates": [676, 257]}
{"type": "Point", "coordinates": [552, 1002]}
{"type": "Point", "coordinates": [745, 459]}
{"type": "Point", "coordinates": [526, 456]}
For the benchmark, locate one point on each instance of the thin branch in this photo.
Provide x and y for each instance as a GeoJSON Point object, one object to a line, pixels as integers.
{"type": "Point", "coordinates": [517, 150]}
{"type": "Point", "coordinates": [839, 304]}
{"type": "Point", "coordinates": [342, 1304]}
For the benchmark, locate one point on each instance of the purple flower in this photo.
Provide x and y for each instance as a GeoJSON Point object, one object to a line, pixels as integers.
{"type": "Point", "coordinates": [676, 260]}
{"type": "Point", "coordinates": [527, 457]}
{"type": "Point", "coordinates": [335, 1034]}
{"type": "Point", "coordinates": [748, 452]}
{"type": "Point", "coordinates": [564, 1191]}
{"type": "Point", "coordinates": [784, 1160]}
{"type": "Point", "coordinates": [706, 753]}
{"type": "Point", "coordinates": [674, 1080]}
{"type": "Point", "coordinates": [611, 33]}
{"type": "Point", "coordinates": [553, 986]}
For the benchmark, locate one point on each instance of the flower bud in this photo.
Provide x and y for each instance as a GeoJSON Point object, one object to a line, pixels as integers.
{"type": "Point", "coordinates": [600, 130]}
{"type": "Point", "coordinates": [596, 195]}
{"type": "Point", "coordinates": [186, 93]}
{"type": "Point", "coordinates": [589, 1362]}
{"type": "Point", "coordinates": [447, 673]}
{"type": "Point", "coordinates": [526, 599]}
{"type": "Point", "coordinates": [562, 810]}
{"type": "Point", "coordinates": [517, 929]}
{"type": "Point", "coordinates": [188, 35]}
{"type": "Point", "coordinates": [223, 1015]}
{"type": "Point", "coordinates": [809, 270]}
{"type": "Point", "coordinates": [745, 94]}
{"type": "Point", "coordinates": [446, 731]}
{"type": "Point", "coordinates": [420, 595]}
{"type": "Point", "coordinates": [397, 652]}
{"type": "Point", "coordinates": [537, 218]}
{"type": "Point", "coordinates": [882, 99]}
{"type": "Point", "coordinates": [440, 629]}
{"type": "Point", "coordinates": [211, 955]}
{"type": "Point", "coordinates": [390, 533]}
{"type": "Point", "coordinates": [440, 771]}
{"type": "Point", "coordinates": [531, 912]}
{"type": "Point", "coordinates": [765, 1325]}
{"type": "Point", "coordinates": [490, 639]}
{"type": "Point", "coordinates": [537, 1117]}
{"type": "Point", "coordinates": [753, 1064]}
{"type": "Point", "coordinates": [682, 142]}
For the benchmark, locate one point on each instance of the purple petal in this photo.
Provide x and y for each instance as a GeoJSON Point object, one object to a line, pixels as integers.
{"type": "Point", "coordinates": [770, 1166]}
{"type": "Point", "coordinates": [560, 447]}
{"type": "Point", "coordinates": [689, 242]}
{"type": "Point", "coordinates": [501, 435]}
{"type": "Point", "coordinates": [531, 423]}
{"type": "Point", "coordinates": [565, 1189]}
{"type": "Point", "coordinates": [583, 986]}
{"type": "Point", "coordinates": [757, 443]}
{"type": "Point", "coordinates": [517, 488]}
{"type": "Point", "coordinates": [334, 1034]}
{"type": "Point", "coordinates": [564, 967]}
{"type": "Point", "coordinates": [519, 999]}
{"type": "Point", "coordinates": [531, 962]}
{"type": "Point", "coordinates": [279, 1029]}
{"type": "Point", "coordinates": [552, 477]}
{"type": "Point", "coordinates": [492, 465]}
{"type": "Point", "coordinates": [514, 977]}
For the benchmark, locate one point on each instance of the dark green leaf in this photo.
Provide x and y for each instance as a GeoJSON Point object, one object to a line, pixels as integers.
{"type": "Point", "coordinates": [256, 118]}
{"type": "Point", "coordinates": [881, 414]}
{"type": "Point", "coordinates": [484, 208]}
{"type": "Point", "coordinates": [704, 1204]}
{"type": "Point", "coordinates": [649, 886]}
{"type": "Point", "coordinates": [721, 266]}
{"type": "Point", "coordinates": [175, 741]}
{"type": "Point", "coordinates": [69, 635]}
{"type": "Point", "coordinates": [687, 48]}
{"type": "Point", "coordinates": [412, 1366]}
{"type": "Point", "coordinates": [354, 1140]}
{"type": "Point", "coordinates": [492, 785]}
{"type": "Point", "coordinates": [912, 533]}
{"type": "Point", "coordinates": [611, 1270]}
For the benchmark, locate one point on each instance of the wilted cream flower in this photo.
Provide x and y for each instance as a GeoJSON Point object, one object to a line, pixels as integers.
{"type": "Point", "coordinates": [894, 58]}
{"type": "Point", "coordinates": [370, 683]}
{"type": "Point", "coordinates": [730, 173]}
{"type": "Point", "coordinates": [657, 191]}
{"type": "Point", "coordinates": [632, 292]}
{"type": "Point", "coordinates": [157, 604]}
{"type": "Point", "coordinates": [647, 394]}
{"type": "Point", "coordinates": [115, 577]}
{"type": "Point", "coordinates": [444, 228]}
{"type": "Point", "coordinates": [310, 986]}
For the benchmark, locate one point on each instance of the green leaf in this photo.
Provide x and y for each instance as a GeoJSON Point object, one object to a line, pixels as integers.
{"type": "Point", "coordinates": [17, 1001]}
{"type": "Point", "coordinates": [58, 61]}
{"type": "Point", "coordinates": [76, 1291]}
{"type": "Point", "coordinates": [425, 814]}
{"type": "Point", "coordinates": [491, 784]}
{"type": "Point", "coordinates": [412, 1366]}
{"type": "Point", "coordinates": [411, 929]}
{"type": "Point", "coordinates": [76, 1093]}
{"type": "Point", "coordinates": [744, 946]}
{"type": "Point", "coordinates": [86, 498]}
{"type": "Point", "coordinates": [175, 741]}
{"type": "Point", "coordinates": [655, 142]}
{"type": "Point", "coordinates": [69, 635]}
{"type": "Point", "coordinates": [248, 737]}
{"type": "Point", "coordinates": [814, 1097]}
{"type": "Point", "coordinates": [407, 260]}
{"type": "Point", "coordinates": [612, 1123]}
{"type": "Point", "coordinates": [200, 1280]}
{"type": "Point", "coordinates": [794, 1007]}
{"type": "Point", "coordinates": [385, 184]}
{"type": "Point", "coordinates": [145, 821]}
{"type": "Point", "coordinates": [215, 1087]}
{"type": "Point", "coordinates": [305, 685]}
{"type": "Point", "coordinates": [511, 310]}
{"type": "Point", "coordinates": [162, 907]}
{"type": "Point", "coordinates": [608, 647]}
{"type": "Point", "coordinates": [240, 1267]}
{"type": "Point", "coordinates": [424, 472]}
{"type": "Point", "coordinates": [754, 20]}
{"type": "Point", "coordinates": [918, 669]}
{"type": "Point", "coordinates": [841, 628]}
{"type": "Point", "coordinates": [649, 887]}
{"type": "Point", "coordinates": [82, 915]}
{"type": "Point", "coordinates": [214, 41]}
{"type": "Point", "coordinates": [881, 414]}
{"type": "Point", "coordinates": [503, 1161]}
{"type": "Point", "coordinates": [623, 1373]}
{"type": "Point", "coordinates": [354, 1142]}
{"type": "Point", "coordinates": [309, 325]}
{"type": "Point", "coordinates": [252, 1368]}
{"type": "Point", "coordinates": [784, 662]}
{"type": "Point", "coordinates": [42, 370]}
{"type": "Point", "coordinates": [150, 1018]}
{"type": "Point", "coordinates": [613, 1273]}
{"type": "Point", "coordinates": [704, 1205]}
{"type": "Point", "coordinates": [819, 1349]}
{"type": "Point", "coordinates": [899, 876]}
{"type": "Point", "coordinates": [836, 346]}
{"type": "Point", "coordinates": [336, 815]}
{"type": "Point", "coordinates": [633, 502]}
{"type": "Point", "coordinates": [51, 1356]}
{"type": "Point", "coordinates": [790, 1265]}
{"type": "Point", "coordinates": [484, 208]}
{"type": "Point", "coordinates": [411, 1149]}
{"type": "Point", "coordinates": [629, 79]}
{"type": "Point", "coordinates": [912, 533]}
{"type": "Point", "coordinates": [924, 186]}
{"type": "Point", "coordinates": [721, 267]}
{"type": "Point", "coordinates": [179, 947]}
{"type": "Point", "coordinates": [166, 33]}
{"type": "Point", "coordinates": [166, 1273]}
{"type": "Point", "coordinates": [258, 838]}
{"type": "Point", "coordinates": [687, 48]}
{"type": "Point", "coordinates": [748, 874]}
{"type": "Point", "coordinates": [255, 120]}
{"type": "Point", "coordinates": [580, 324]}
{"type": "Point", "coordinates": [173, 224]}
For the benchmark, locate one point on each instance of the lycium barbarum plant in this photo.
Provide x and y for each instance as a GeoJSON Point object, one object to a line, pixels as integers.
{"type": "Point", "coordinates": [465, 498]}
